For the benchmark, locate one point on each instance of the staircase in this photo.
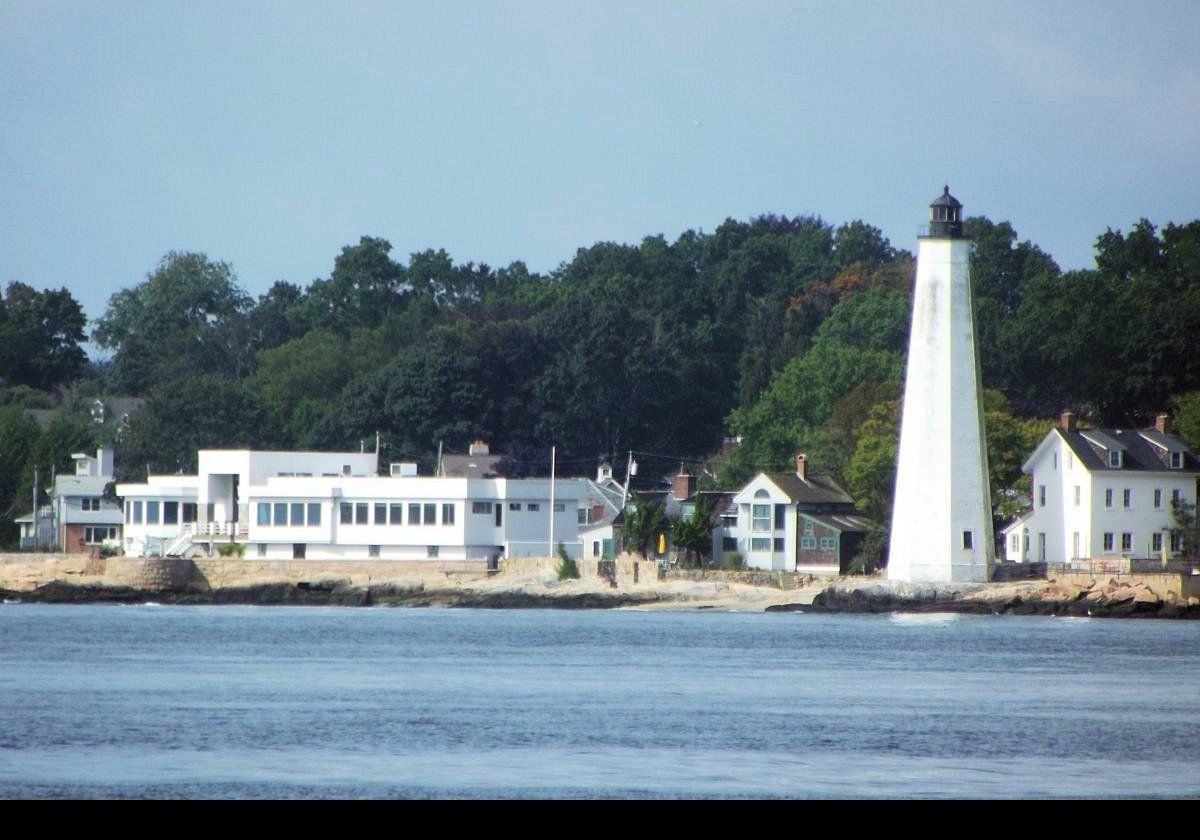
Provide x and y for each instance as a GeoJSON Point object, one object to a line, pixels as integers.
{"type": "Point", "coordinates": [180, 546]}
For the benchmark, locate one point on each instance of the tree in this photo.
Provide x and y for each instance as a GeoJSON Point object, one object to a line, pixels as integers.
{"type": "Point", "coordinates": [18, 435]}
{"type": "Point", "coordinates": [644, 522]}
{"type": "Point", "coordinates": [187, 318]}
{"type": "Point", "coordinates": [40, 337]}
{"type": "Point", "coordinates": [694, 534]}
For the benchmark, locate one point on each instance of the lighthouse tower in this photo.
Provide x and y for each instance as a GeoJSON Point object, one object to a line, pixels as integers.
{"type": "Point", "coordinates": [942, 515]}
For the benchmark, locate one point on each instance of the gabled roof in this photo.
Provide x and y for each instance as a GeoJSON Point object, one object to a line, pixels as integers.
{"type": "Point", "coordinates": [1142, 450]}
{"type": "Point", "coordinates": [816, 488]}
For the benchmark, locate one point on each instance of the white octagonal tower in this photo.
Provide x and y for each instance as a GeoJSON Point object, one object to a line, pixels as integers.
{"type": "Point", "coordinates": [942, 514]}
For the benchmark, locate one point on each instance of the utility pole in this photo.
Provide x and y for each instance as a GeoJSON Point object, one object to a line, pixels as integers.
{"type": "Point", "coordinates": [553, 450]}
{"type": "Point", "coordinates": [35, 509]}
{"type": "Point", "coordinates": [630, 469]}
{"type": "Point", "coordinates": [439, 471]}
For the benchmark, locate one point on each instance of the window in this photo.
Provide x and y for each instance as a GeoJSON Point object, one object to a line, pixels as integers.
{"type": "Point", "coordinates": [97, 534]}
{"type": "Point", "coordinates": [137, 513]}
{"type": "Point", "coordinates": [264, 513]}
{"type": "Point", "coordinates": [151, 513]}
{"type": "Point", "coordinates": [1156, 541]}
{"type": "Point", "coordinates": [1157, 499]}
{"type": "Point", "coordinates": [1108, 541]}
{"type": "Point", "coordinates": [581, 516]}
{"type": "Point", "coordinates": [1108, 498]}
{"type": "Point", "coordinates": [430, 513]}
{"type": "Point", "coordinates": [314, 514]}
{"type": "Point", "coordinates": [828, 543]}
{"type": "Point", "coordinates": [262, 549]}
{"type": "Point", "coordinates": [808, 526]}
{"type": "Point", "coordinates": [448, 513]}
{"type": "Point", "coordinates": [297, 513]}
{"type": "Point", "coordinates": [128, 513]}
{"type": "Point", "coordinates": [1126, 497]}
{"type": "Point", "coordinates": [1041, 495]}
{"type": "Point", "coordinates": [559, 507]}
{"type": "Point", "coordinates": [361, 511]}
{"type": "Point", "coordinates": [1176, 460]}
{"type": "Point", "coordinates": [687, 511]}
{"type": "Point", "coordinates": [729, 543]}
{"type": "Point", "coordinates": [513, 506]}
{"type": "Point", "coordinates": [1114, 458]}
{"type": "Point", "coordinates": [808, 543]}
{"type": "Point", "coordinates": [189, 511]}
{"type": "Point", "coordinates": [281, 513]}
{"type": "Point", "coordinates": [780, 517]}
{"type": "Point", "coordinates": [381, 511]}
{"type": "Point", "coordinates": [431, 552]}
{"type": "Point", "coordinates": [1126, 541]}
{"type": "Point", "coordinates": [1056, 461]}
{"type": "Point", "coordinates": [346, 513]}
{"type": "Point", "coordinates": [396, 514]}
{"type": "Point", "coordinates": [170, 513]}
{"type": "Point", "coordinates": [762, 518]}
{"type": "Point", "coordinates": [481, 507]}
{"type": "Point", "coordinates": [760, 544]}
{"type": "Point", "coordinates": [1175, 496]}
{"type": "Point", "coordinates": [1015, 543]}
{"type": "Point", "coordinates": [1077, 495]}
{"type": "Point", "coordinates": [91, 504]}
{"type": "Point", "coordinates": [1176, 541]}
{"type": "Point", "coordinates": [968, 540]}
{"type": "Point", "coordinates": [299, 550]}
{"type": "Point", "coordinates": [373, 551]}
{"type": "Point", "coordinates": [595, 548]}
{"type": "Point", "coordinates": [533, 507]}
{"type": "Point", "coordinates": [778, 544]}
{"type": "Point", "coordinates": [414, 513]}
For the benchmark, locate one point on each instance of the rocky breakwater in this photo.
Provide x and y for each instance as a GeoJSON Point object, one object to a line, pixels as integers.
{"type": "Point", "coordinates": [1101, 598]}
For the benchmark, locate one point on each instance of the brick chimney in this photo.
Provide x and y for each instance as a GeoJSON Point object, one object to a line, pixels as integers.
{"type": "Point", "coordinates": [1163, 423]}
{"type": "Point", "coordinates": [684, 486]}
{"type": "Point", "coordinates": [1066, 421]}
{"type": "Point", "coordinates": [802, 467]}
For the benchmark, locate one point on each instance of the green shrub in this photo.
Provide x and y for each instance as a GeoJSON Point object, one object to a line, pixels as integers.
{"type": "Point", "coordinates": [567, 568]}
{"type": "Point", "coordinates": [734, 561]}
{"type": "Point", "coordinates": [232, 549]}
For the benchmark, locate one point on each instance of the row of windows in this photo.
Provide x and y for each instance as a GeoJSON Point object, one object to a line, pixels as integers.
{"type": "Point", "coordinates": [532, 507]}
{"type": "Point", "coordinates": [93, 535]}
{"type": "Point", "coordinates": [295, 514]}
{"type": "Point", "coordinates": [299, 550]}
{"type": "Point", "coordinates": [1126, 497]}
{"type": "Point", "coordinates": [92, 503]}
{"type": "Point", "coordinates": [761, 517]}
{"type": "Point", "coordinates": [392, 513]}
{"type": "Point", "coordinates": [155, 513]}
{"type": "Point", "coordinates": [1156, 541]}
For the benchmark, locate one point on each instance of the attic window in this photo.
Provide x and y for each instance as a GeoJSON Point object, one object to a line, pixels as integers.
{"type": "Point", "coordinates": [1176, 460]}
{"type": "Point", "coordinates": [1114, 458]}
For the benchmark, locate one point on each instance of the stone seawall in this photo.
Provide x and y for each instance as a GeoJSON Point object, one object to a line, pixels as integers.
{"type": "Point", "coordinates": [775, 580]}
{"type": "Point", "coordinates": [625, 570]}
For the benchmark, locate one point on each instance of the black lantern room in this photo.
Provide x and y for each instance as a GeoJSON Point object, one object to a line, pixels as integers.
{"type": "Point", "coordinates": [945, 216]}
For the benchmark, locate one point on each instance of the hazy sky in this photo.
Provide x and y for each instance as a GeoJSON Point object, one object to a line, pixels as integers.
{"type": "Point", "coordinates": [270, 134]}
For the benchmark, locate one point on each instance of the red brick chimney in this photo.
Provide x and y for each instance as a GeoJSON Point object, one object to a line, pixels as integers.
{"type": "Point", "coordinates": [684, 486]}
{"type": "Point", "coordinates": [802, 467]}
{"type": "Point", "coordinates": [1066, 421]}
{"type": "Point", "coordinates": [1163, 423]}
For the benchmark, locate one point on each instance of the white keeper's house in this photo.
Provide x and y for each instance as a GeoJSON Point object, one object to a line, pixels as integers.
{"type": "Point", "coordinates": [335, 506]}
{"type": "Point", "coordinates": [1103, 493]}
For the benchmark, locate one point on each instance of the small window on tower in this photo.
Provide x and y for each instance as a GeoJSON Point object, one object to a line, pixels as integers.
{"type": "Point", "coordinates": [968, 542]}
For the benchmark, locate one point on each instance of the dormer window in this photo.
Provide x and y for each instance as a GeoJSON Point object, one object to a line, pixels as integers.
{"type": "Point", "coordinates": [1176, 460]}
{"type": "Point", "coordinates": [1114, 458]}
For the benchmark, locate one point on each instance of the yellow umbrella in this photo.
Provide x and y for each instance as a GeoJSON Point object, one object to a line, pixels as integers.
{"type": "Point", "coordinates": [662, 543]}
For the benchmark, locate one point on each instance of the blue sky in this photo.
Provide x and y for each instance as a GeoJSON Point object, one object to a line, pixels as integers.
{"type": "Point", "coordinates": [271, 134]}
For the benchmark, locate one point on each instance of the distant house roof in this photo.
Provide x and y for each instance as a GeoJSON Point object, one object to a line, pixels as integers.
{"type": "Point", "coordinates": [80, 485]}
{"type": "Point", "coordinates": [1142, 449]}
{"type": "Point", "coordinates": [471, 466]}
{"type": "Point", "coordinates": [816, 488]}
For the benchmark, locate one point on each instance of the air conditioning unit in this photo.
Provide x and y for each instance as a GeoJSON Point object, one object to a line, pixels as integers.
{"type": "Point", "coordinates": [404, 469]}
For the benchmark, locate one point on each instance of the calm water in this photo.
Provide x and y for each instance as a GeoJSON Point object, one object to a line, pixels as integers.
{"type": "Point", "coordinates": [150, 701]}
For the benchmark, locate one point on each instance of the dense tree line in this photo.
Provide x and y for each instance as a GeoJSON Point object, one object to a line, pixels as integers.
{"type": "Point", "coordinates": [788, 332]}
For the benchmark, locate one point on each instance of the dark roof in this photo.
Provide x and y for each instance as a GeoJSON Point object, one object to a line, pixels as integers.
{"type": "Point", "coordinates": [946, 200]}
{"type": "Point", "coordinates": [816, 489]}
{"type": "Point", "coordinates": [471, 466]}
{"type": "Point", "coordinates": [1144, 450]}
{"type": "Point", "coordinates": [842, 522]}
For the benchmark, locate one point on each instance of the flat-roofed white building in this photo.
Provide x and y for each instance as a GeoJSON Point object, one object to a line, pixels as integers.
{"type": "Point", "coordinates": [334, 506]}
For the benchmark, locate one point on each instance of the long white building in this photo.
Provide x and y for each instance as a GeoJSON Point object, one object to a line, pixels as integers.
{"type": "Point", "coordinates": [334, 506]}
